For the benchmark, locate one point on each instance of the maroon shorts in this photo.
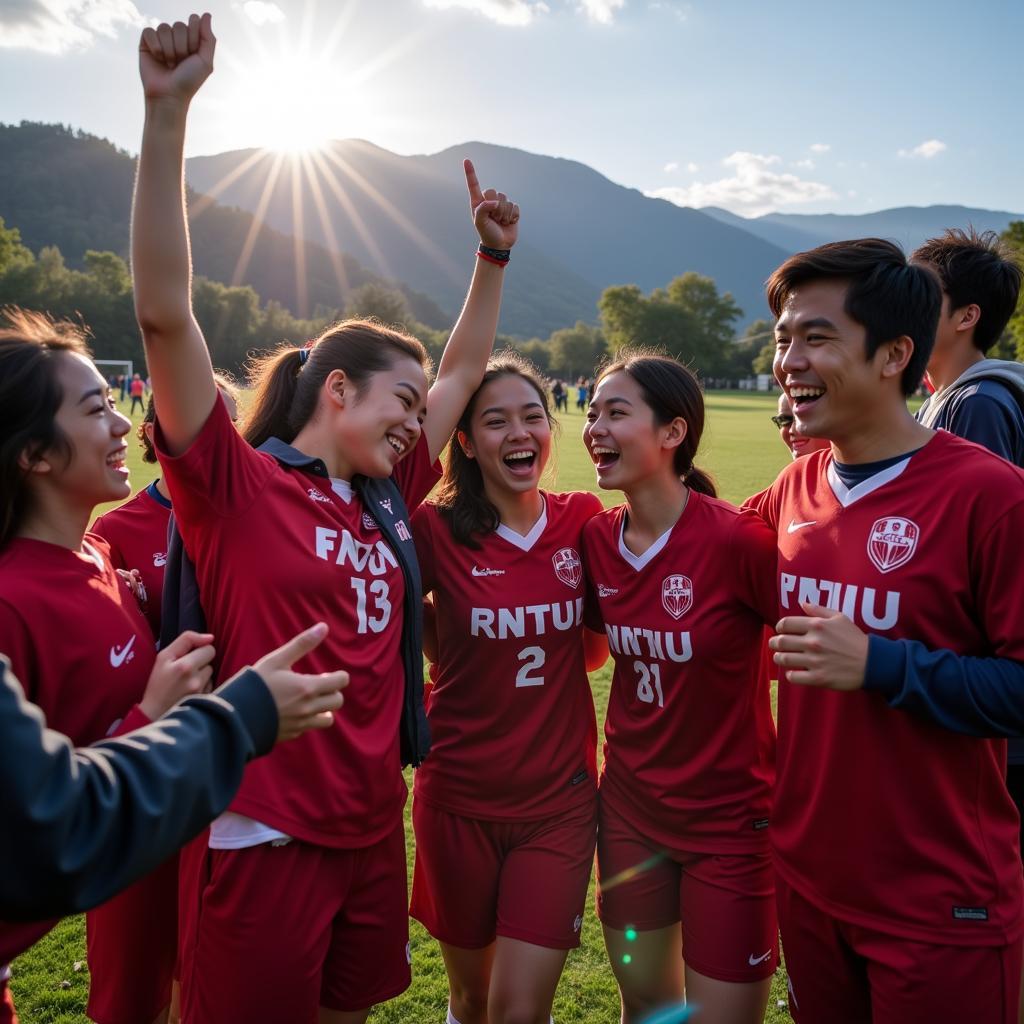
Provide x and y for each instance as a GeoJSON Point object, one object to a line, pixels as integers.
{"type": "Point", "coordinates": [726, 902]}
{"type": "Point", "coordinates": [846, 974]}
{"type": "Point", "coordinates": [131, 943]}
{"type": "Point", "coordinates": [278, 931]}
{"type": "Point", "coordinates": [7, 1014]}
{"type": "Point", "coordinates": [525, 880]}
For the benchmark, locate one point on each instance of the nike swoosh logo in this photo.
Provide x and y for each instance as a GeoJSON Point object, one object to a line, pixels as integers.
{"type": "Point", "coordinates": [487, 572]}
{"type": "Point", "coordinates": [117, 657]}
{"type": "Point", "coordinates": [794, 525]}
{"type": "Point", "coordinates": [755, 960]}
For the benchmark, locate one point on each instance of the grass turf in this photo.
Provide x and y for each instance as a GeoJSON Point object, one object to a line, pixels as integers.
{"type": "Point", "coordinates": [742, 451]}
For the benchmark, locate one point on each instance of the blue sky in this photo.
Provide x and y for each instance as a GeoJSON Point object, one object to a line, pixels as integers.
{"type": "Point", "coordinates": [793, 106]}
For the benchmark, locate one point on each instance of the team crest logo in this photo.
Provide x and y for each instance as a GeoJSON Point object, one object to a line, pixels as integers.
{"type": "Point", "coordinates": [891, 542]}
{"type": "Point", "coordinates": [568, 567]}
{"type": "Point", "coordinates": [677, 595]}
{"type": "Point", "coordinates": [369, 523]}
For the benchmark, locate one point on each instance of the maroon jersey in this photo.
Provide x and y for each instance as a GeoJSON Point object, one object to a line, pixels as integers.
{"type": "Point", "coordinates": [512, 722]}
{"type": "Point", "coordinates": [137, 534]}
{"type": "Point", "coordinates": [882, 818]}
{"type": "Point", "coordinates": [276, 550]}
{"type": "Point", "coordinates": [75, 637]}
{"type": "Point", "coordinates": [689, 737]}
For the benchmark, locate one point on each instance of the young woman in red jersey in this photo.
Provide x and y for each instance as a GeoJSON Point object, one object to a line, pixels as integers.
{"type": "Point", "coordinates": [505, 806]}
{"type": "Point", "coordinates": [137, 530]}
{"type": "Point", "coordinates": [301, 903]}
{"type": "Point", "coordinates": [684, 587]}
{"type": "Point", "coordinates": [73, 630]}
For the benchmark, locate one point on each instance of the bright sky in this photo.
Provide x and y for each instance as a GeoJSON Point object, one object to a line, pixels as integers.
{"type": "Point", "coordinates": [754, 106]}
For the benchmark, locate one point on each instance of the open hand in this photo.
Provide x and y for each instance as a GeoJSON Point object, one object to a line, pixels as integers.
{"type": "Point", "coordinates": [821, 648]}
{"type": "Point", "coordinates": [495, 216]}
{"type": "Point", "coordinates": [175, 60]}
{"type": "Point", "coordinates": [303, 701]}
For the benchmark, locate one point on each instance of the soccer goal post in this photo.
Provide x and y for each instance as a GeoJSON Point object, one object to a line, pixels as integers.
{"type": "Point", "coordinates": [118, 366]}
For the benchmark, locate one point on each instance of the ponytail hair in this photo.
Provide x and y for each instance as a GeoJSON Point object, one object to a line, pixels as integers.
{"type": "Point", "coordinates": [288, 380]}
{"type": "Point", "coordinates": [30, 395]}
{"type": "Point", "coordinates": [461, 499]}
{"type": "Point", "coordinates": [672, 391]}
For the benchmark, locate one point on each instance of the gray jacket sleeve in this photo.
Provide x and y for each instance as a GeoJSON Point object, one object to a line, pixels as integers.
{"type": "Point", "coordinates": [78, 825]}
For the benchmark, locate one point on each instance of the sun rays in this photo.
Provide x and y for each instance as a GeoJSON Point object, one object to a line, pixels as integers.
{"type": "Point", "coordinates": [294, 93]}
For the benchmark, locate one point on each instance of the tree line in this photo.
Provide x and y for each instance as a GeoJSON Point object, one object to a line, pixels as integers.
{"type": "Point", "coordinates": [688, 318]}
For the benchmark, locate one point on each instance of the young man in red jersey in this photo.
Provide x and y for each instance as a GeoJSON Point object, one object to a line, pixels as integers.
{"type": "Point", "coordinates": [895, 842]}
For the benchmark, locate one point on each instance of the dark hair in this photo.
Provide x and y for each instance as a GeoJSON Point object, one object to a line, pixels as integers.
{"type": "Point", "coordinates": [30, 396]}
{"type": "Point", "coordinates": [224, 381]}
{"type": "Point", "coordinates": [980, 269]}
{"type": "Point", "coordinates": [288, 380]}
{"type": "Point", "coordinates": [887, 295]}
{"type": "Point", "coordinates": [672, 391]}
{"type": "Point", "coordinates": [461, 500]}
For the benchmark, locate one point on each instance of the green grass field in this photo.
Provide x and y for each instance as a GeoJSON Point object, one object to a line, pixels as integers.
{"type": "Point", "coordinates": [742, 450]}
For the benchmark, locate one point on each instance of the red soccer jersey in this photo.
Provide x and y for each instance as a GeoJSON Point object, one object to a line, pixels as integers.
{"type": "Point", "coordinates": [512, 722]}
{"type": "Point", "coordinates": [275, 551]}
{"type": "Point", "coordinates": [689, 738]}
{"type": "Point", "coordinates": [75, 637]}
{"type": "Point", "coordinates": [137, 534]}
{"type": "Point", "coordinates": [881, 817]}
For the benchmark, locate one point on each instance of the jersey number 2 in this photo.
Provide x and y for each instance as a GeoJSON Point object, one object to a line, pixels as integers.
{"type": "Point", "coordinates": [382, 606]}
{"type": "Point", "coordinates": [533, 660]}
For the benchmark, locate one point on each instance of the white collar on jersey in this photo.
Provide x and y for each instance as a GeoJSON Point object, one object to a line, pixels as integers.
{"type": "Point", "coordinates": [846, 496]}
{"type": "Point", "coordinates": [517, 539]}
{"type": "Point", "coordinates": [640, 561]}
{"type": "Point", "coordinates": [93, 555]}
{"type": "Point", "coordinates": [342, 488]}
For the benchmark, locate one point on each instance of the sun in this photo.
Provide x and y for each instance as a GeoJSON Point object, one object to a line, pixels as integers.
{"type": "Point", "coordinates": [292, 105]}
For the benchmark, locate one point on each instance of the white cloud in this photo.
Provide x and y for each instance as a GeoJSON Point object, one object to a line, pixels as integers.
{"type": "Point", "coordinates": [926, 151]}
{"type": "Point", "coordinates": [259, 12]}
{"type": "Point", "coordinates": [819, 147]}
{"type": "Point", "coordinates": [56, 26]}
{"type": "Point", "coordinates": [804, 165]}
{"type": "Point", "coordinates": [504, 12]}
{"type": "Point", "coordinates": [670, 167]}
{"type": "Point", "coordinates": [754, 187]}
{"type": "Point", "coordinates": [692, 167]}
{"type": "Point", "coordinates": [601, 11]}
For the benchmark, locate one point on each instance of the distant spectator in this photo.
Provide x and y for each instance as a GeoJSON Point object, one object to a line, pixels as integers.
{"type": "Point", "coordinates": [138, 390]}
{"type": "Point", "coordinates": [557, 393]}
{"type": "Point", "coordinates": [797, 444]}
{"type": "Point", "coordinates": [582, 394]}
{"type": "Point", "coordinates": [122, 382]}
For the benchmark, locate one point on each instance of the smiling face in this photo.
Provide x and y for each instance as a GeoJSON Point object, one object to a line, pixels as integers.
{"type": "Point", "coordinates": [797, 444]}
{"type": "Point", "coordinates": [822, 366]}
{"type": "Point", "coordinates": [622, 437]}
{"type": "Point", "coordinates": [88, 418]}
{"type": "Point", "coordinates": [378, 424]}
{"type": "Point", "coordinates": [509, 435]}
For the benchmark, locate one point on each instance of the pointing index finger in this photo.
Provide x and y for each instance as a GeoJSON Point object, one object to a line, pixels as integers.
{"type": "Point", "coordinates": [473, 183]}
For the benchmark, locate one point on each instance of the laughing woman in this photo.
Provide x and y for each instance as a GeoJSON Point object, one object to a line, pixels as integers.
{"type": "Point", "coordinates": [301, 897]}
{"type": "Point", "coordinates": [684, 584]}
{"type": "Point", "coordinates": [505, 808]}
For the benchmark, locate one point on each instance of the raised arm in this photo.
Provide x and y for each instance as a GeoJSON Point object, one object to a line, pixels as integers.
{"type": "Point", "coordinates": [469, 347]}
{"type": "Point", "coordinates": [174, 61]}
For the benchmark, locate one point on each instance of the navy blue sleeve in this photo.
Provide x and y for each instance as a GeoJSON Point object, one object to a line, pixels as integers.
{"type": "Point", "coordinates": [986, 420]}
{"type": "Point", "coordinates": [81, 824]}
{"type": "Point", "coordinates": [975, 696]}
